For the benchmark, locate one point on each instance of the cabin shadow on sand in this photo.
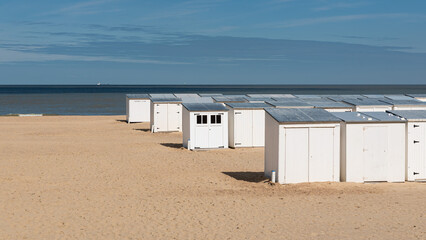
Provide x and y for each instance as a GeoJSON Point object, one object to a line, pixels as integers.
{"type": "Point", "coordinates": [254, 177]}
{"type": "Point", "coordinates": [172, 145]}
{"type": "Point", "coordinates": [142, 129]}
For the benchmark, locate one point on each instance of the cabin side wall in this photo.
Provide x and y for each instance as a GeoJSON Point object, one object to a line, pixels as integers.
{"type": "Point", "coordinates": [272, 143]}
{"type": "Point", "coordinates": [231, 129]}
{"type": "Point", "coordinates": [186, 127]}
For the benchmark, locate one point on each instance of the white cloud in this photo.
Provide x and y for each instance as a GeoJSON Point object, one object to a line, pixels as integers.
{"type": "Point", "coordinates": [11, 56]}
{"type": "Point", "coordinates": [332, 19]}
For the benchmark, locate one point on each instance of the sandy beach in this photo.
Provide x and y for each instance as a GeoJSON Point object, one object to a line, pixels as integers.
{"type": "Point", "coordinates": [97, 177]}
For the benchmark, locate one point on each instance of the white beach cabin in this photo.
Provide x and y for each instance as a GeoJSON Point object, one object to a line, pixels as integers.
{"type": "Point", "coordinates": [166, 114]}
{"type": "Point", "coordinates": [416, 143]}
{"type": "Point", "coordinates": [138, 108]}
{"type": "Point", "coordinates": [247, 124]}
{"type": "Point", "coordinates": [368, 105]}
{"type": "Point", "coordinates": [372, 147]}
{"type": "Point", "coordinates": [205, 126]}
{"type": "Point", "coordinates": [302, 145]}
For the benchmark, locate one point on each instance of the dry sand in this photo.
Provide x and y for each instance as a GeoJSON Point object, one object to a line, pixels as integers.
{"type": "Point", "coordinates": [101, 178]}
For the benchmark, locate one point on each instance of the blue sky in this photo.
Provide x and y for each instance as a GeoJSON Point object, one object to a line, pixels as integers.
{"type": "Point", "coordinates": [213, 42]}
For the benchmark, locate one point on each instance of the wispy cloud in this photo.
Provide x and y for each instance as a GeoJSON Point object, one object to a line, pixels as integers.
{"type": "Point", "coordinates": [342, 18]}
{"type": "Point", "coordinates": [340, 5]}
{"type": "Point", "coordinates": [83, 8]}
{"type": "Point", "coordinates": [12, 56]}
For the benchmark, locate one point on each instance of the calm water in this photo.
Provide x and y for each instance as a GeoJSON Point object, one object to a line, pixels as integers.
{"type": "Point", "coordinates": [110, 99]}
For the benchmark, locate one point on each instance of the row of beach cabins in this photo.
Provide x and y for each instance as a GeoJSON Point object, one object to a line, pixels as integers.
{"type": "Point", "coordinates": [307, 138]}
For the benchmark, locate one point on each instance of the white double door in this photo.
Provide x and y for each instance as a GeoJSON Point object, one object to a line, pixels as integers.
{"type": "Point", "coordinates": [249, 128]}
{"type": "Point", "coordinates": [209, 130]}
{"type": "Point", "coordinates": [416, 152]}
{"type": "Point", "coordinates": [309, 155]}
{"type": "Point", "coordinates": [168, 117]}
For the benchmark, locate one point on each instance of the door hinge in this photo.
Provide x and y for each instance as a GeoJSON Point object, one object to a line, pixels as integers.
{"type": "Point", "coordinates": [237, 143]}
{"type": "Point", "coordinates": [221, 147]}
{"type": "Point", "coordinates": [237, 113]}
{"type": "Point", "coordinates": [416, 126]}
{"type": "Point", "coordinates": [416, 141]}
{"type": "Point", "coordinates": [196, 147]}
{"type": "Point", "coordinates": [415, 173]}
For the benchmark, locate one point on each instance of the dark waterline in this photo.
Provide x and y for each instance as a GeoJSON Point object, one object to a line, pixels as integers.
{"type": "Point", "coordinates": [110, 99]}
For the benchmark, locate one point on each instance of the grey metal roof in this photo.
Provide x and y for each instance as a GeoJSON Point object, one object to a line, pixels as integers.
{"type": "Point", "coordinates": [384, 116]}
{"type": "Point", "coordinates": [165, 99]}
{"type": "Point", "coordinates": [299, 115]}
{"type": "Point", "coordinates": [248, 105]}
{"type": "Point", "coordinates": [162, 95]}
{"type": "Point", "coordinates": [366, 102]}
{"type": "Point", "coordinates": [205, 107]}
{"type": "Point", "coordinates": [398, 97]}
{"type": "Point", "coordinates": [340, 98]}
{"type": "Point", "coordinates": [364, 117]}
{"type": "Point", "coordinates": [289, 104]}
{"type": "Point", "coordinates": [187, 95]}
{"type": "Point", "coordinates": [404, 102]}
{"type": "Point", "coordinates": [209, 94]}
{"type": "Point", "coordinates": [307, 96]}
{"type": "Point", "coordinates": [330, 104]}
{"type": "Point", "coordinates": [271, 95]}
{"type": "Point", "coordinates": [374, 96]}
{"type": "Point", "coordinates": [229, 99]}
{"type": "Point", "coordinates": [411, 115]}
{"type": "Point", "coordinates": [137, 96]}
{"type": "Point", "coordinates": [264, 99]}
{"type": "Point", "coordinates": [197, 100]}
{"type": "Point", "coordinates": [417, 95]}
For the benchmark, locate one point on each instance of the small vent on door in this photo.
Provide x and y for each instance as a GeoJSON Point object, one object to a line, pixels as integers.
{"type": "Point", "coordinates": [416, 126]}
{"type": "Point", "coordinates": [416, 141]}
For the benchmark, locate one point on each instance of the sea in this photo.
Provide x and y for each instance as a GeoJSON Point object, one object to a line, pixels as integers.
{"type": "Point", "coordinates": [110, 99]}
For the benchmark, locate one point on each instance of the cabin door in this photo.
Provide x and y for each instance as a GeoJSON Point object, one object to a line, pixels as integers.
{"type": "Point", "coordinates": [375, 154]}
{"type": "Point", "coordinates": [243, 128]}
{"type": "Point", "coordinates": [201, 131]}
{"type": "Point", "coordinates": [321, 154]}
{"type": "Point", "coordinates": [216, 131]}
{"type": "Point", "coordinates": [160, 111]}
{"type": "Point", "coordinates": [174, 117]}
{"type": "Point", "coordinates": [416, 151]}
{"type": "Point", "coordinates": [296, 155]}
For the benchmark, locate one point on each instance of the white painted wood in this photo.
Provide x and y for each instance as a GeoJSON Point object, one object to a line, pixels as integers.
{"type": "Point", "coordinates": [375, 153]}
{"type": "Point", "coordinates": [296, 155]}
{"type": "Point", "coordinates": [416, 151]}
{"type": "Point", "coordinates": [206, 134]}
{"type": "Point", "coordinates": [321, 154]}
{"type": "Point", "coordinates": [272, 143]}
{"type": "Point", "coordinates": [202, 136]}
{"type": "Point", "coordinates": [258, 128]}
{"type": "Point", "coordinates": [138, 110]}
{"type": "Point", "coordinates": [174, 117]}
{"type": "Point", "coordinates": [160, 117]}
{"type": "Point", "coordinates": [243, 128]}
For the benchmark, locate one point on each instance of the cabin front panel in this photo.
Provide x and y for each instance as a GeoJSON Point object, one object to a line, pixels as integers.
{"type": "Point", "coordinates": [416, 153]}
